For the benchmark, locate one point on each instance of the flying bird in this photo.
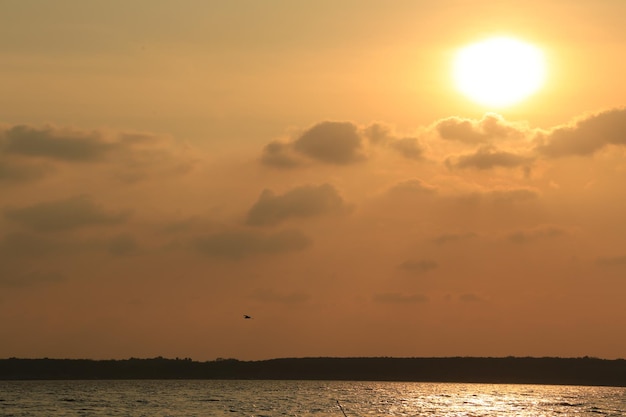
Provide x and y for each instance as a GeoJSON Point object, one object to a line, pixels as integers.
{"type": "Point", "coordinates": [245, 316]}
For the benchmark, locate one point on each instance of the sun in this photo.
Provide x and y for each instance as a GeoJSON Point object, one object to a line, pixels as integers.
{"type": "Point", "coordinates": [499, 72]}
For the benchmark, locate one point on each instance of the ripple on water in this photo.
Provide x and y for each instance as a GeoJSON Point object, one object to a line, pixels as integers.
{"type": "Point", "coordinates": [303, 398]}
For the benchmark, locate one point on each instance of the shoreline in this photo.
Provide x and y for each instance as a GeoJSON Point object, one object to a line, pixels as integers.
{"type": "Point", "coordinates": [507, 370]}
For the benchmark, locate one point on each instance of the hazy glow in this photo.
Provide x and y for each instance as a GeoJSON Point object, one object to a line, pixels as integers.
{"type": "Point", "coordinates": [165, 170]}
{"type": "Point", "coordinates": [499, 71]}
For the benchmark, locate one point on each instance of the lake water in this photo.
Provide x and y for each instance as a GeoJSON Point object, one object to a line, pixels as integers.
{"type": "Point", "coordinates": [303, 398]}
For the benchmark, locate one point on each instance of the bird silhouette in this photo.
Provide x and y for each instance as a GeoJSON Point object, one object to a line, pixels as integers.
{"type": "Point", "coordinates": [245, 316]}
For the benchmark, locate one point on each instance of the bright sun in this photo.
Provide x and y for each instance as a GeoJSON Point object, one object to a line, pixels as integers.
{"type": "Point", "coordinates": [499, 72]}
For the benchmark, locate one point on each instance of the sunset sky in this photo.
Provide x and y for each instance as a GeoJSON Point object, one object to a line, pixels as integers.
{"type": "Point", "coordinates": [169, 166]}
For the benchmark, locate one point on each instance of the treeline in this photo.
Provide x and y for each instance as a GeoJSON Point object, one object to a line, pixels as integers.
{"type": "Point", "coordinates": [569, 371]}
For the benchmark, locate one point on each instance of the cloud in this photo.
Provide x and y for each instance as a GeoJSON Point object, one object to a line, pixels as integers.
{"type": "Point", "coordinates": [491, 126]}
{"type": "Point", "coordinates": [410, 187]}
{"type": "Point", "coordinates": [279, 155]}
{"type": "Point", "coordinates": [537, 233]}
{"type": "Point", "coordinates": [612, 261]}
{"type": "Point", "coordinates": [122, 245]}
{"type": "Point", "coordinates": [488, 157]}
{"type": "Point", "coordinates": [331, 142]}
{"type": "Point", "coordinates": [335, 143]}
{"type": "Point", "coordinates": [470, 298]}
{"type": "Point", "coordinates": [585, 136]}
{"type": "Point", "coordinates": [242, 244]}
{"type": "Point", "coordinates": [27, 279]}
{"type": "Point", "coordinates": [500, 196]}
{"type": "Point", "coordinates": [301, 202]}
{"type": "Point", "coordinates": [60, 215]}
{"type": "Point", "coordinates": [408, 147]}
{"type": "Point", "coordinates": [399, 298]}
{"type": "Point", "coordinates": [338, 143]}
{"type": "Point", "coordinates": [382, 135]}
{"type": "Point", "coordinates": [11, 171]}
{"type": "Point", "coordinates": [378, 133]}
{"type": "Point", "coordinates": [29, 153]}
{"type": "Point", "coordinates": [418, 266]}
{"type": "Point", "coordinates": [29, 245]}
{"type": "Point", "coordinates": [53, 143]}
{"type": "Point", "coordinates": [453, 237]}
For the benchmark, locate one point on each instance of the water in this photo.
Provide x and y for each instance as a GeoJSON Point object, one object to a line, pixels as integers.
{"type": "Point", "coordinates": [303, 398]}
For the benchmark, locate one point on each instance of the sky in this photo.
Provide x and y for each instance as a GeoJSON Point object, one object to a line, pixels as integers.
{"type": "Point", "coordinates": [167, 167]}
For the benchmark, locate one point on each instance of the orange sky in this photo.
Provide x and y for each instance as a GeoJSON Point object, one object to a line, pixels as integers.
{"type": "Point", "coordinates": [166, 167]}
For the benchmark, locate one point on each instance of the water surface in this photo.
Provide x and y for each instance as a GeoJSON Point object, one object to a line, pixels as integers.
{"type": "Point", "coordinates": [303, 398]}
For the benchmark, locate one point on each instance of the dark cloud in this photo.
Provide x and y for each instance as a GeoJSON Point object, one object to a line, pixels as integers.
{"type": "Point", "coordinates": [279, 155]}
{"type": "Point", "coordinates": [53, 143]}
{"type": "Point", "coordinates": [15, 279]}
{"type": "Point", "coordinates": [271, 296]}
{"type": "Point", "coordinates": [176, 227]}
{"type": "Point", "coordinates": [585, 136]}
{"type": "Point", "coordinates": [11, 171]}
{"type": "Point", "coordinates": [122, 245]}
{"type": "Point", "coordinates": [500, 196]}
{"type": "Point", "coordinates": [408, 147]}
{"type": "Point", "coordinates": [378, 133]}
{"type": "Point", "coordinates": [28, 153]}
{"type": "Point", "coordinates": [538, 233]}
{"type": "Point", "coordinates": [336, 143]}
{"type": "Point", "coordinates": [29, 245]}
{"type": "Point", "coordinates": [331, 142]}
{"type": "Point", "coordinates": [341, 143]}
{"type": "Point", "coordinates": [491, 126]}
{"type": "Point", "coordinates": [305, 201]}
{"type": "Point", "coordinates": [488, 157]}
{"type": "Point", "coordinates": [412, 187]}
{"type": "Point", "coordinates": [398, 298]}
{"type": "Point", "coordinates": [418, 266]}
{"type": "Point", "coordinates": [453, 237]}
{"type": "Point", "coordinates": [241, 244]}
{"type": "Point", "coordinates": [470, 298]}
{"type": "Point", "coordinates": [72, 213]}
{"type": "Point", "coordinates": [612, 261]}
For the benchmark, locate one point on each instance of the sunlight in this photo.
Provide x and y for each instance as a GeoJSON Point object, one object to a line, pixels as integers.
{"type": "Point", "coordinates": [499, 72]}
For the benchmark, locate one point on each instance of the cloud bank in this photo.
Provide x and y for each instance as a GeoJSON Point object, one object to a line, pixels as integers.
{"type": "Point", "coordinates": [458, 220]}
{"type": "Point", "coordinates": [304, 201]}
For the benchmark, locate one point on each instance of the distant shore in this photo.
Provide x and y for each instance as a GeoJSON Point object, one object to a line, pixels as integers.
{"type": "Point", "coordinates": [509, 370]}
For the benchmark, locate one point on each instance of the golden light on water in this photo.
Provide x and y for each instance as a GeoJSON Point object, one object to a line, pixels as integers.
{"type": "Point", "coordinates": [499, 72]}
